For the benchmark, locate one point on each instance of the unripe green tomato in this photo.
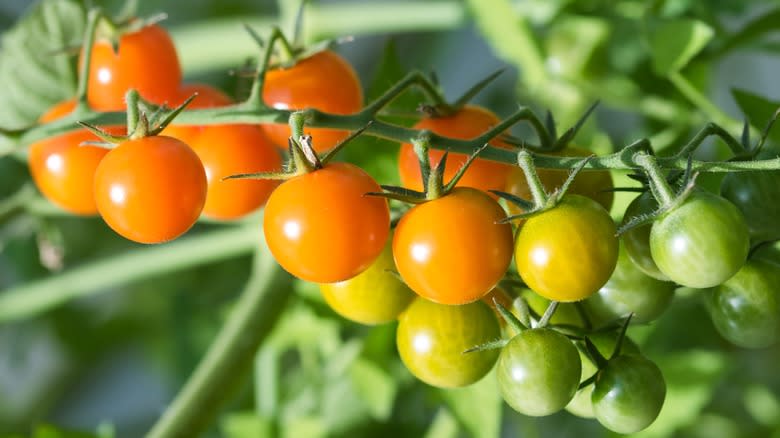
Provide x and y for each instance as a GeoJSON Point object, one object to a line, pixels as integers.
{"type": "Point", "coordinates": [375, 296]}
{"type": "Point", "coordinates": [746, 308]}
{"type": "Point", "coordinates": [431, 339]}
{"type": "Point", "coordinates": [605, 343]}
{"type": "Point", "coordinates": [538, 372]}
{"type": "Point", "coordinates": [628, 394]}
{"type": "Point", "coordinates": [630, 290]}
{"type": "Point", "coordinates": [637, 239]}
{"type": "Point", "coordinates": [700, 243]}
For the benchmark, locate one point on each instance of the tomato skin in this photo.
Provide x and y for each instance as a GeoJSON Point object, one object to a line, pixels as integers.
{"type": "Point", "coordinates": [628, 394]}
{"type": "Point", "coordinates": [321, 228]}
{"type": "Point", "coordinates": [595, 185]}
{"type": "Point", "coordinates": [538, 372]}
{"type": "Point", "coordinates": [150, 190]}
{"type": "Point", "coordinates": [208, 97]}
{"type": "Point", "coordinates": [468, 123]}
{"type": "Point", "coordinates": [112, 74]}
{"type": "Point", "coordinates": [700, 243]}
{"type": "Point", "coordinates": [375, 296]}
{"type": "Point", "coordinates": [629, 290]}
{"type": "Point", "coordinates": [568, 252]}
{"type": "Point", "coordinates": [62, 170]}
{"type": "Point", "coordinates": [324, 81]}
{"type": "Point", "coordinates": [451, 250]}
{"type": "Point", "coordinates": [757, 196]}
{"type": "Point", "coordinates": [431, 339]}
{"type": "Point", "coordinates": [232, 149]}
{"type": "Point", "coordinates": [637, 239]}
{"type": "Point", "coordinates": [746, 308]}
{"type": "Point", "coordinates": [605, 343]}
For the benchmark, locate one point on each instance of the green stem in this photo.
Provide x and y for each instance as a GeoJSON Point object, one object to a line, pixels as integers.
{"type": "Point", "coordinates": [545, 319]}
{"type": "Point", "coordinates": [93, 18]}
{"type": "Point", "coordinates": [526, 162]}
{"type": "Point", "coordinates": [702, 102]}
{"type": "Point", "coordinates": [40, 295]}
{"type": "Point", "coordinates": [709, 130]}
{"type": "Point", "coordinates": [661, 189]}
{"type": "Point", "coordinates": [231, 353]}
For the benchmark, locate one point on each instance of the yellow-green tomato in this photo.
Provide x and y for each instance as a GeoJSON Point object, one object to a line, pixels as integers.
{"type": "Point", "coordinates": [569, 251]}
{"type": "Point", "coordinates": [431, 339]}
{"type": "Point", "coordinates": [375, 296]}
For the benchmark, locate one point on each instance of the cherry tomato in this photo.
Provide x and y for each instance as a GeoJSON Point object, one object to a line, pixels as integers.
{"type": "Point", "coordinates": [628, 394]}
{"type": "Point", "coordinates": [700, 243]}
{"type": "Point", "coordinates": [567, 253]}
{"type": "Point", "coordinates": [451, 250]}
{"type": "Point", "coordinates": [630, 290]}
{"type": "Point", "coordinates": [321, 227]}
{"type": "Point", "coordinates": [605, 342]}
{"type": "Point", "coordinates": [62, 169]}
{"type": "Point", "coordinates": [538, 372]}
{"type": "Point", "coordinates": [232, 149]}
{"type": "Point", "coordinates": [746, 308]}
{"type": "Point", "coordinates": [592, 184]}
{"type": "Point", "coordinates": [375, 296]}
{"type": "Point", "coordinates": [757, 196]}
{"type": "Point", "coordinates": [637, 240]}
{"type": "Point", "coordinates": [324, 81]}
{"type": "Point", "coordinates": [469, 122]}
{"type": "Point", "coordinates": [431, 339]}
{"type": "Point", "coordinates": [208, 97]}
{"type": "Point", "coordinates": [150, 190]}
{"type": "Point", "coordinates": [146, 60]}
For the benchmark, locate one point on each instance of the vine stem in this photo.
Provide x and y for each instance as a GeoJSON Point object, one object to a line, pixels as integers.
{"type": "Point", "coordinates": [526, 162]}
{"type": "Point", "coordinates": [660, 188]}
{"type": "Point", "coordinates": [93, 18]}
{"type": "Point", "coordinates": [231, 353]}
{"type": "Point", "coordinates": [702, 102]}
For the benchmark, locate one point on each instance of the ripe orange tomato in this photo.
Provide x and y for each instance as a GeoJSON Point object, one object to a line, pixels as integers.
{"type": "Point", "coordinates": [469, 122]}
{"type": "Point", "coordinates": [228, 150]}
{"type": "Point", "coordinates": [321, 227]}
{"type": "Point", "coordinates": [324, 81]}
{"type": "Point", "coordinates": [64, 171]}
{"type": "Point", "coordinates": [595, 185]}
{"type": "Point", "coordinates": [146, 60]}
{"type": "Point", "coordinates": [150, 190]}
{"type": "Point", "coordinates": [451, 250]}
{"type": "Point", "coordinates": [208, 97]}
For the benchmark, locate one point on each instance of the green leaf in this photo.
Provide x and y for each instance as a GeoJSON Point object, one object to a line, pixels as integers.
{"type": "Point", "coordinates": [757, 109]}
{"type": "Point", "coordinates": [674, 43]}
{"type": "Point", "coordinates": [34, 70]}
{"type": "Point", "coordinates": [376, 387]}
{"type": "Point", "coordinates": [246, 425]}
{"type": "Point", "coordinates": [477, 407]}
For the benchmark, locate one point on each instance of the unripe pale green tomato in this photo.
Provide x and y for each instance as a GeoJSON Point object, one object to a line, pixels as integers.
{"type": "Point", "coordinates": [538, 372]}
{"type": "Point", "coordinates": [432, 337]}
{"type": "Point", "coordinates": [375, 296]}
{"type": "Point", "coordinates": [700, 243]}
{"type": "Point", "coordinates": [637, 239]}
{"type": "Point", "coordinates": [746, 308]}
{"type": "Point", "coordinates": [628, 393]}
{"type": "Point", "coordinates": [565, 314]}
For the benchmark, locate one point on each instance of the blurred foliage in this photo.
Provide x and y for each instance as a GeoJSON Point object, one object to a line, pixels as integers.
{"type": "Point", "coordinates": [655, 67]}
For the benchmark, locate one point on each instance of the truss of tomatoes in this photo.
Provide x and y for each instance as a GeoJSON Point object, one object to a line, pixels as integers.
{"type": "Point", "coordinates": [438, 271]}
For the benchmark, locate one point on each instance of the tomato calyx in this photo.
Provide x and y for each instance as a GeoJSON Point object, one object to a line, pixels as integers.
{"type": "Point", "coordinates": [598, 359]}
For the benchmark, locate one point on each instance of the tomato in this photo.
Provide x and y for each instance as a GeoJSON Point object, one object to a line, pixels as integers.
{"type": "Point", "coordinates": [324, 81]}
{"type": "Point", "coordinates": [150, 190]}
{"type": "Point", "coordinates": [538, 372]}
{"type": "Point", "coordinates": [431, 339]}
{"type": "Point", "coordinates": [208, 97]}
{"type": "Point", "coordinates": [757, 196]}
{"type": "Point", "coordinates": [746, 308]}
{"type": "Point", "coordinates": [592, 184]}
{"type": "Point", "coordinates": [637, 240]}
{"type": "Point", "coordinates": [605, 343]}
{"type": "Point", "coordinates": [321, 227]}
{"type": "Point", "coordinates": [375, 296]}
{"type": "Point", "coordinates": [565, 314]}
{"type": "Point", "coordinates": [630, 290]}
{"type": "Point", "coordinates": [628, 394]}
{"type": "Point", "coordinates": [467, 123]}
{"type": "Point", "coordinates": [62, 170]}
{"type": "Point", "coordinates": [146, 60]}
{"type": "Point", "coordinates": [451, 250]}
{"type": "Point", "coordinates": [232, 149]}
{"type": "Point", "coordinates": [700, 243]}
{"type": "Point", "coordinates": [568, 252]}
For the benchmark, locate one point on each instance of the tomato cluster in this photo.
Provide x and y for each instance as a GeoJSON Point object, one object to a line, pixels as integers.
{"type": "Point", "coordinates": [438, 272]}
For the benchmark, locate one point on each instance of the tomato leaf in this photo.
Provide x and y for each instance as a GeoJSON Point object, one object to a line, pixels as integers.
{"type": "Point", "coordinates": [674, 43]}
{"type": "Point", "coordinates": [34, 70]}
{"type": "Point", "coordinates": [477, 407]}
{"type": "Point", "coordinates": [757, 109]}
